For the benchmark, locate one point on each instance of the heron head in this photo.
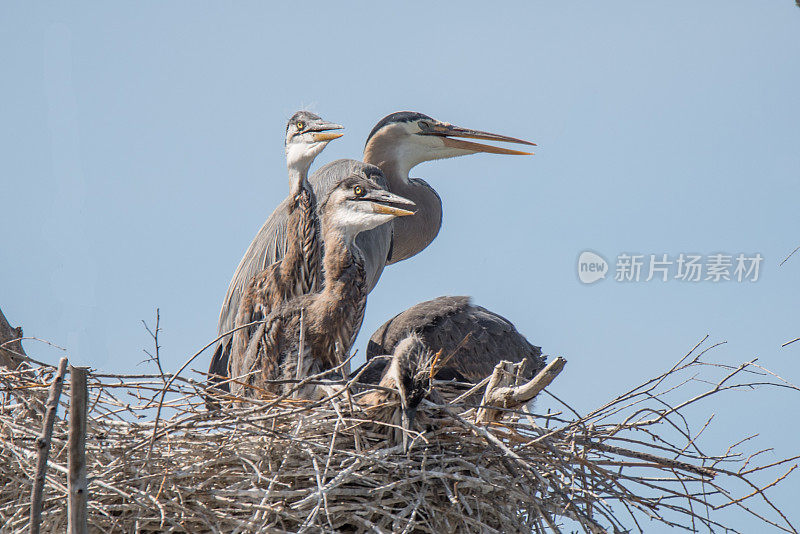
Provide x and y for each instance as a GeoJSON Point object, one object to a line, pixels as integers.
{"type": "Point", "coordinates": [410, 374]}
{"type": "Point", "coordinates": [408, 138]}
{"type": "Point", "coordinates": [356, 204]}
{"type": "Point", "coordinates": [307, 135]}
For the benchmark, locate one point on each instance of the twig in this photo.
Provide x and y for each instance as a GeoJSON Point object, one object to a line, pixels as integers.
{"type": "Point", "coordinates": [471, 390]}
{"type": "Point", "coordinates": [789, 256]}
{"type": "Point", "coordinates": [298, 372]}
{"type": "Point", "coordinates": [157, 356]}
{"type": "Point", "coordinates": [790, 342]}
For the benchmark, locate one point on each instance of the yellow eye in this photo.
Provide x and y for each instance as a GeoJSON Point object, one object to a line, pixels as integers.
{"type": "Point", "coordinates": [300, 125]}
{"type": "Point", "coordinates": [358, 191]}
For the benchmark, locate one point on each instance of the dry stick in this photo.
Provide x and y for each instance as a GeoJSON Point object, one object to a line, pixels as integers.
{"type": "Point", "coordinates": [790, 342]}
{"type": "Point", "coordinates": [497, 377]}
{"type": "Point", "coordinates": [471, 390]}
{"type": "Point", "coordinates": [789, 256]}
{"type": "Point", "coordinates": [504, 396]}
{"type": "Point", "coordinates": [78, 494]}
{"type": "Point", "coordinates": [660, 460]}
{"type": "Point", "coordinates": [300, 351]}
{"type": "Point", "coordinates": [157, 356]}
{"type": "Point", "coordinates": [526, 392]}
{"type": "Point", "coordinates": [25, 356]}
{"type": "Point", "coordinates": [43, 444]}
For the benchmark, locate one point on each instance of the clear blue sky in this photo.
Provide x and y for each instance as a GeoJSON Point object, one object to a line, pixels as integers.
{"type": "Point", "coordinates": [141, 147]}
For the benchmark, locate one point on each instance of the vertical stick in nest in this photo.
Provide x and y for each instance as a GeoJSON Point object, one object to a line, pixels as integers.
{"type": "Point", "coordinates": [78, 494]}
{"type": "Point", "coordinates": [43, 444]}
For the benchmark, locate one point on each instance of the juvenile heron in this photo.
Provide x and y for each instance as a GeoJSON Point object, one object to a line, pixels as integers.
{"type": "Point", "coordinates": [476, 338]}
{"type": "Point", "coordinates": [404, 382]}
{"type": "Point", "coordinates": [322, 324]}
{"type": "Point", "coordinates": [307, 135]}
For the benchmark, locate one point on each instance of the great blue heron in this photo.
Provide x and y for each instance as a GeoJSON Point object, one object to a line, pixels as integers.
{"type": "Point", "coordinates": [400, 142]}
{"type": "Point", "coordinates": [323, 323]}
{"type": "Point", "coordinates": [307, 135]}
{"type": "Point", "coordinates": [396, 144]}
{"type": "Point", "coordinates": [474, 338]}
{"type": "Point", "coordinates": [403, 383]}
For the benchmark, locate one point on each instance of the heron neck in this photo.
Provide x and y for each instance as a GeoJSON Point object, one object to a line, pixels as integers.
{"type": "Point", "coordinates": [298, 177]}
{"type": "Point", "coordinates": [413, 233]}
{"type": "Point", "coordinates": [410, 234]}
{"type": "Point", "coordinates": [390, 161]}
{"type": "Point", "coordinates": [339, 256]}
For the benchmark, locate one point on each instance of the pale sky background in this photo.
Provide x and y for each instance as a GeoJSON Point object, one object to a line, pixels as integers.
{"type": "Point", "coordinates": [141, 147]}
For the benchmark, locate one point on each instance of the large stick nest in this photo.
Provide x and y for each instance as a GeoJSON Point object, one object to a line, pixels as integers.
{"type": "Point", "coordinates": [291, 465]}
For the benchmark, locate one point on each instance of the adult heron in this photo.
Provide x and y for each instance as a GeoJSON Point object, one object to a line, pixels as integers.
{"type": "Point", "coordinates": [314, 332]}
{"type": "Point", "coordinates": [400, 142]}
{"type": "Point", "coordinates": [472, 337]}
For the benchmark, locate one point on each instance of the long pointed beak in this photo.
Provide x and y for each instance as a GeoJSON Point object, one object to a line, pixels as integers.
{"type": "Point", "coordinates": [448, 132]}
{"type": "Point", "coordinates": [326, 136]}
{"type": "Point", "coordinates": [388, 203]}
{"type": "Point", "coordinates": [406, 424]}
{"type": "Point", "coordinates": [321, 131]}
{"type": "Point", "coordinates": [407, 416]}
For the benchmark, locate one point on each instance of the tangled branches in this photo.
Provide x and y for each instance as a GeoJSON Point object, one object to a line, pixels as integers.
{"type": "Point", "coordinates": [292, 465]}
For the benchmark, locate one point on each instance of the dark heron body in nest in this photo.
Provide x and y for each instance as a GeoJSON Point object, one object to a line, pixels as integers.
{"type": "Point", "coordinates": [472, 337]}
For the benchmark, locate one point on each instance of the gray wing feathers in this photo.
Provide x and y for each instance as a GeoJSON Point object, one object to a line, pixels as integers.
{"type": "Point", "coordinates": [425, 315]}
{"type": "Point", "coordinates": [269, 246]}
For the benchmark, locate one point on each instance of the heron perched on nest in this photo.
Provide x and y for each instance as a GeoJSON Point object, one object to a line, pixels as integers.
{"type": "Point", "coordinates": [313, 333]}
{"type": "Point", "coordinates": [398, 142]}
{"type": "Point", "coordinates": [472, 339]}
{"type": "Point", "coordinates": [404, 382]}
{"type": "Point", "coordinates": [307, 135]}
